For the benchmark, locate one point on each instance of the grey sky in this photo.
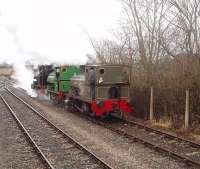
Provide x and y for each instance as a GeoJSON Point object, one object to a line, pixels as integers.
{"type": "Point", "coordinates": [54, 29]}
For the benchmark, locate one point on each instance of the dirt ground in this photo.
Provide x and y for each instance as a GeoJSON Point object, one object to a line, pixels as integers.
{"type": "Point", "coordinates": [112, 148]}
{"type": "Point", "coordinates": [6, 71]}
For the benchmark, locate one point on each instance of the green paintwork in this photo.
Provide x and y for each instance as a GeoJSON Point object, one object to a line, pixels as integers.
{"type": "Point", "coordinates": [52, 77]}
{"type": "Point", "coordinates": [63, 81]}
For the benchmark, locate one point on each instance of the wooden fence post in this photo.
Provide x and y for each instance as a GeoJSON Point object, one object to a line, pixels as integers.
{"type": "Point", "coordinates": [187, 98]}
{"type": "Point", "coordinates": [151, 105]}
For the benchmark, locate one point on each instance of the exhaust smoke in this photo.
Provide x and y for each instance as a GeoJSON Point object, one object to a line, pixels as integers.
{"type": "Point", "coordinates": [24, 78]}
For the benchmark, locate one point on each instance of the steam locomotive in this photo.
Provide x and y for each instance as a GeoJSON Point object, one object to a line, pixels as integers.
{"type": "Point", "coordinates": [98, 90]}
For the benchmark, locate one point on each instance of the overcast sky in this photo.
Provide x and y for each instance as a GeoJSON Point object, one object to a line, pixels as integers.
{"type": "Point", "coordinates": [54, 29]}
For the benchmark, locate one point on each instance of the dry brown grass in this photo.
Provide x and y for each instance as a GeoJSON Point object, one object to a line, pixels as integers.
{"type": "Point", "coordinates": [6, 71]}
{"type": "Point", "coordinates": [195, 136]}
{"type": "Point", "coordinates": [166, 124]}
{"type": "Point", "coordinates": [163, 123]}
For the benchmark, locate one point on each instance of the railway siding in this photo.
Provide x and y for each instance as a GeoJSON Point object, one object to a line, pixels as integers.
{"type": "Point", "coordinates": [177, 148]}
{"type": "Point", "coordinates": [186, 148]}
{"type": "Point", "coordinates": [172, 146]}
{"type": "Point", "coordinates": [15, 149]}
{"type": "Point", "coordinates": [59, 149]}
{"type": "Point", "coordinates": [134, 151]}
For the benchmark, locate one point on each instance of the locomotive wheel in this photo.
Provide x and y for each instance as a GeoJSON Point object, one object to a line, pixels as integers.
{"type": "Point", "coordinates": [69, 106]}
{"type": "Point", "coordinates": [105, 116]}
{"type": "Point", "coordinates": [52, 98]}
{"type": "Point", "coordinates": [92, 114]}
{"type": "Point", "coordinates": [86, 108]}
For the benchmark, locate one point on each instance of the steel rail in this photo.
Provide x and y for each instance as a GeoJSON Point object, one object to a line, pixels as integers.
{"type": "Point", "coordinates": [156, 147]}
{"type": "Point", "coordinates": [2, 86]}
{"type": "Point", "coordinates": [80, 146]}
{"type": "Point", "coordinates": [145, 142]}
{"type": "Point", "coordinates": [44, 158]}
{"type": "Point", "coordinates": [161, 132]}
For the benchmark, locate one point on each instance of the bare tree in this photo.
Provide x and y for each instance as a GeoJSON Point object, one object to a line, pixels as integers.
{"type": "Point", "coordinates": [182, 42]}
{"type": "Point", "coordinates": [146, 19]}
{"type": "Point", "coordinates": [187, 22]}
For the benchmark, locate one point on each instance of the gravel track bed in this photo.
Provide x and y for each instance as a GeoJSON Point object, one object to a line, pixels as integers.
{"type": "Point", "coordinates": [117, 151]}
{"type": "Point", "coordinates": [173, 145]}
{"type": "Point", "coordinates": [60, 151]}
{"type": "Point", "coordinates": [15, 150]}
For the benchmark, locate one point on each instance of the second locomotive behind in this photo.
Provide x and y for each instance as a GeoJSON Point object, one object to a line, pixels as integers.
{"type": "Point", "coordinates": [99, 90]}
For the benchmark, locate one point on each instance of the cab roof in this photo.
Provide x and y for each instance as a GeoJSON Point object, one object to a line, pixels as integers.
{"type": "Point", "coordinates": [98, 65]}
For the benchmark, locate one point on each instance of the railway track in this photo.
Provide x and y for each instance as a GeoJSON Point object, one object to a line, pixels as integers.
{"type": "Point", "coordinates": [4, 83]}
{"type": "Point", "coordinates": [1, 86]}
{"type": "Point", "coordinates": [177, 147]}
{"type": "Point", "coordinates": [15, 148]}
{"type": "Point", "coordinates": [56, 148]}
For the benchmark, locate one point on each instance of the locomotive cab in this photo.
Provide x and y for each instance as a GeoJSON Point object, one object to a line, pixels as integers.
{"type": "Point", "coordinates": [110, 81]}
{"type": "Point", "coordinates": [108, 87]}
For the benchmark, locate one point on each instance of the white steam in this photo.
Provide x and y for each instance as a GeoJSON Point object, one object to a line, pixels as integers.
{"type": "Point", "coordinates": [24, 78]}
{"type": "Point", "coordinates": [22, 75]}
{"type": "Point", "coordinates": [27, 33]}
{"type": "Point", "coordinates": [13, 53]}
